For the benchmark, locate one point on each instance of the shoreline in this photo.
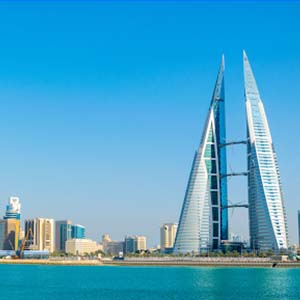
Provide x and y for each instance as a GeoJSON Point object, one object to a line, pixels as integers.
{"type": "Point", "coordinates": [143, 263]}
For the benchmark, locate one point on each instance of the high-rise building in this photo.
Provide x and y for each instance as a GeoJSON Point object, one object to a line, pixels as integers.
{"type": "Point", "coordinates": [12, 218]}
{"type": "Point", "coordinates": [267, 217]}
{"type": "Point", "coordinates": [63, 232]}
{"type": "Point", "coordinates": [203, 223]}
{"type": "Point", "coordinates": [42, 236]}
{"type": "Point", "coordinates": [167, 235]}
{"type": "Point", "coordinates": [78, 231]}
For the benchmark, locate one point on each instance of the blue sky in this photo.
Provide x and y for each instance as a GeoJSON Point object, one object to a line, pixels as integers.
{"type": "Point", "coordinates": [103, 105]}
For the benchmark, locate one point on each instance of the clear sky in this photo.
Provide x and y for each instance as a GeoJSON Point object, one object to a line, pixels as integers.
{"type": "Point", "coordinates": [103, 105]}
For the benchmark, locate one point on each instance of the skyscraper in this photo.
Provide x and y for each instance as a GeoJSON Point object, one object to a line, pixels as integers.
{"type": "Point", "coordinates": [12, 220]}
{"type": "Point", "coordinates": [267, 218]}
{"type": "Point", "coordinates": [203, 223]}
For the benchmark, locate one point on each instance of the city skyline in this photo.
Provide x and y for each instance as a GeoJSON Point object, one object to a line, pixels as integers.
{"type": "Point", "coordinates": [87, 107]}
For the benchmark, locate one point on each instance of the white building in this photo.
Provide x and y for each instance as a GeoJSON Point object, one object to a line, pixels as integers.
{"type": "Point", "coordinates": [168, 235]}
{"type": "Point", "coordinates": [267, 216]}
{"type": "Point", "coordinates": [82, 246]}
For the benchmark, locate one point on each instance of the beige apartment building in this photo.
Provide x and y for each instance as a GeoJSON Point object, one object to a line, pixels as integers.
{"type": "Point", "coordinates": [41, 236]}
{"type": "Point", "coordinates": [141, 243]}
{"type": "Point", "coordinates": [167, 235]}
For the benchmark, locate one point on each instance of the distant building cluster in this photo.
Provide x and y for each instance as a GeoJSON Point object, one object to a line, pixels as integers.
{"type": "Point", "coordinates": [42, 235]}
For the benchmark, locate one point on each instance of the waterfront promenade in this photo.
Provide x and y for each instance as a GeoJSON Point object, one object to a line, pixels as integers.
{"type": "Point", "coordinates": [166, 261]}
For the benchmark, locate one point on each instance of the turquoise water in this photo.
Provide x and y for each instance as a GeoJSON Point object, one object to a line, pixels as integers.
{"type": "Point", "coordinates": [143, 283]}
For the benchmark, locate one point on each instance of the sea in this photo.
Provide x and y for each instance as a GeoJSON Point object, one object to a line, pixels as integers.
{"type": "Point", "coordinates": [39, 282]}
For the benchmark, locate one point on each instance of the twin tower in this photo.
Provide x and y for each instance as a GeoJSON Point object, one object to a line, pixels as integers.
{"type": "Point", "coordinates": [203, 222]}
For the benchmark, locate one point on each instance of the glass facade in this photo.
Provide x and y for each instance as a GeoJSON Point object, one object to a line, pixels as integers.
{"type": "Point", "coordinates": [65, 234]}
{"type": "Point", "coordinates": [203, 223]}
{"type": "Point", "coordinates": [78, 231]}
{"type": "Point", "coordinates": [130, 244]}
{"type": "Point", "coordinates": [267, 218]}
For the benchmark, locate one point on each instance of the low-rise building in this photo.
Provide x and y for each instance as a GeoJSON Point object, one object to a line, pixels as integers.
{"type": "Point", "coordinates": [81, 246]}
{"type": "Point", "coordinates": [113, 247]}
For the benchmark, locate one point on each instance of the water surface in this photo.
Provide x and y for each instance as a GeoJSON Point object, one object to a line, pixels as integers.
{"type": "Point", "coordinates": [147, 283]}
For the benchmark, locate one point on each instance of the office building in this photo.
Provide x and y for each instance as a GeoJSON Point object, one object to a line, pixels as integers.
{"type": "Point", "coordinates": [167, 236]}
{"type": "Point", "coordinates": [81, 246]}
{"type": "Point", "coordinates": [203, 223]}
{"type": "Point", "coordinates": [130, 244]}
{"type": "Point", "coordinates": [78, 231]}
{"type": "Point", "coordinates": [63, 232]}
{"type": "Point", "coordinates": [41, 236]}
{"type": "Point", "coordinates": [12, 219]}
{"type": "Point", "coordinates": [135, 243]}
{"type": "Point", "coordinates": [267, 217]}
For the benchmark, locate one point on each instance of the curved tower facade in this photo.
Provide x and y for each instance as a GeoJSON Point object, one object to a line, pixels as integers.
{"type": "Point", "coordinates": [203, 223]}
{"type": "Point", "coordinates": [267, 218]}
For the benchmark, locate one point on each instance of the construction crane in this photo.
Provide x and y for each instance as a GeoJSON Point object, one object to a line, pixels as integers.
{"type": "Point", "coordinates": [19, 253]}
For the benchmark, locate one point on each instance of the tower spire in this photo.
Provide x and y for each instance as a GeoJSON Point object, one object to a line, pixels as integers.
{"type": "Point", "coordinates": [251, 90]}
